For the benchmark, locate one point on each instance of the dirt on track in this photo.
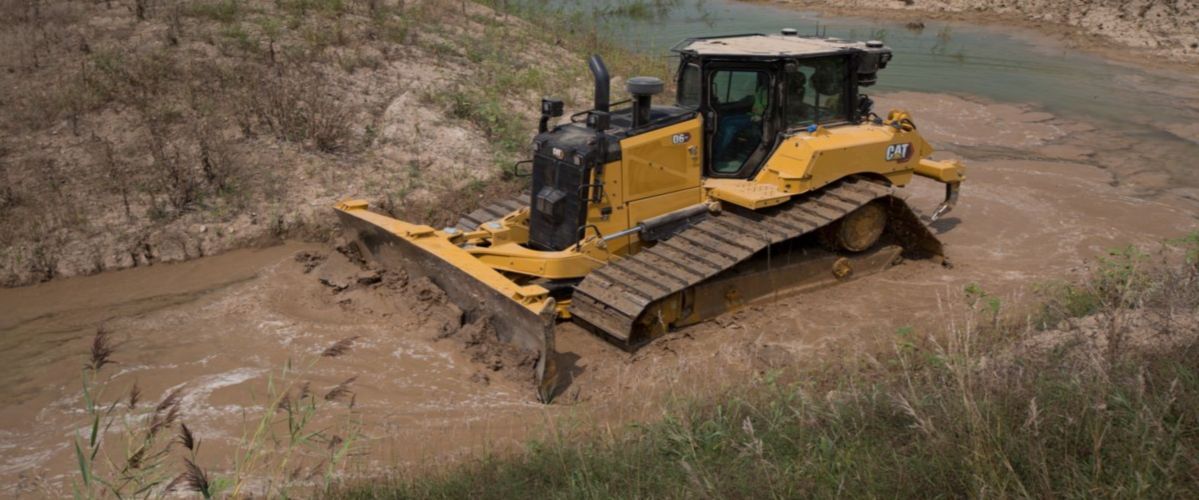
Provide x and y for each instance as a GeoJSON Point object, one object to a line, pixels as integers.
{"type": "Point", "coordinates": [1035, 209]}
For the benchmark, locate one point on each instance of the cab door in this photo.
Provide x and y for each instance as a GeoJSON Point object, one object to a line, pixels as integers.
{"type": "Point", "coordinates": [739, 104]}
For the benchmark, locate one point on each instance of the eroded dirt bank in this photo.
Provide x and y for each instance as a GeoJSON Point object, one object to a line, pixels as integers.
{"type": "Point", "coordinates": [1036, 207]}
{"type": "Point", "coordinates": [1161, 29]}
{"type": "Point", "coordinates": [182, 129]}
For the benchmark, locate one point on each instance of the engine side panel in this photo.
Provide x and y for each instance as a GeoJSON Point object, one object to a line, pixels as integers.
{"type": "Point", "coordinates": [663, 160]}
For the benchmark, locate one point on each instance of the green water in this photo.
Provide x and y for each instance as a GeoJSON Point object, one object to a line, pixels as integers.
{"type": "Point", "coordinates": [1001, 64]}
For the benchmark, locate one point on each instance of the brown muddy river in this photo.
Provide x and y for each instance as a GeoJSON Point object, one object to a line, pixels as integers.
{"type": "Point", "coordinates": [1035, 208]}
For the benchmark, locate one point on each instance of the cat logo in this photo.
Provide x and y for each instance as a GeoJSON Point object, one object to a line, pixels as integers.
{"type": "Point", "coordinates": [680, 138]}
{"type": "Point", "coordinates": [899, 152]}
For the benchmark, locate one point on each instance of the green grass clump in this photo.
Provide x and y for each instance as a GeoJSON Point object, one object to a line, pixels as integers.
{"type": "Point", "coordinates": [223, 11]}
{"type": "Point", "coordinates": [1121, 279]}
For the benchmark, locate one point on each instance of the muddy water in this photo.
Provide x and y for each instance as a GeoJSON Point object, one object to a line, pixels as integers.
{"type": "Point", "coordinates": [219, 327]}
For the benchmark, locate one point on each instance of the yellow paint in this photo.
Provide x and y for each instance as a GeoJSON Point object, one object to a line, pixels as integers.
{"type": "Point", "coordinates": [805, 162]}
{"type": "Point", "coordinates": [646, 208]}
{"type": "Point", "coordinates": [438, 244]}
{"type": "Point", "coordinates": [614, 201]}
{"type": "Point", "coordinates": [570, 263]}
{"type": "Point", "coordinates": [943, 171]}
{"type": "Point", "coordinates": [654, 164]}
{"type": "Point", "coordinates": [744, 193]}
{"type": "Point", "coordinates": [661, 171]}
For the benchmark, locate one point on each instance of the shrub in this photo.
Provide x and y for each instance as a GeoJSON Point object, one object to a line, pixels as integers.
{"type": "Point", "coordinates": [296, 109]}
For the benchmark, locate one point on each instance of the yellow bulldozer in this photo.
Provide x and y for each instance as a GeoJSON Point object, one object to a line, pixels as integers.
{"type": "Point", "coordinates": [769, 174]}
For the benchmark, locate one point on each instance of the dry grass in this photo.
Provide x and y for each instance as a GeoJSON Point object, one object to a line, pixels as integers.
{"type": "Point", "coordinates": [141, 132]}
{"type": "Point", "coordinates": [297, 442]}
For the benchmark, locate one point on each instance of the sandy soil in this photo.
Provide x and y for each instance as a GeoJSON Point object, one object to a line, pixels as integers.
{"type": "Point", "coordinates": [1164, 31]}
{"type": "Point", "coordinates": [1035, 208]}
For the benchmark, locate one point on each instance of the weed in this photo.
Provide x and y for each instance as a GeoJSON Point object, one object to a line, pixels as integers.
{"type": "Point", "coordinates": [240, 38]}
{"type": "Point", "coordinates": [394, 30]}
{"type": "Point", "coordinates": [485, 110]}
{"type": "Point", "coordinates": [1190, 246]}
{"type": "Point", "coordinates": [222, 11]}
{"type": "Point", "coordinates": [1062, 300]}
{"type": "Point", "coordinates": [174, 177]}
{"type": "Point", "coordinates": [980, 300]}
{"type": "Point", "coordinates": [356, 60]}
{"type": "Point", "coordinates": [1116, 281]}
{"type": "Point", "coordinates": [296, 109]}
{"type": "Point", "coordinates": [125, 451]}
{"type": "Point", "coordinates": [8, 194]}
{"type": "Point", "coordinates": [279, 451]}
{"type": "Point", "coordinates": [129, 450]}
{"type": "Point", "coordinates": [304, 7]}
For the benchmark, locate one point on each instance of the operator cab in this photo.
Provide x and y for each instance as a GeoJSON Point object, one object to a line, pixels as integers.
{"type": "Point", "coordinates": [754, 89]}
{"type": "Point", "coordinates": [751, 91]}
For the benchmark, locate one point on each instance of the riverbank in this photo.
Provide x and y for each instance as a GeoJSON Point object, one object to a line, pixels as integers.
{"type": "Point", "coordinates": [1161, 33]}
{"type": "Point", "coordinates": [183, 129]}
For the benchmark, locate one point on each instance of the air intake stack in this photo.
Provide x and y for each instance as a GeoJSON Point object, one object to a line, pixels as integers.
{"type": "Point", "coordinates": [643, 89]}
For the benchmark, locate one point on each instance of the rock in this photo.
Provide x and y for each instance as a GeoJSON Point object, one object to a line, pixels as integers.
{"type": "Point", "coordinates": [310, 260]}
{"type": "Point", "coordinates": [337, 283]}
{"type": "Point", "coordinates": [367, 278]}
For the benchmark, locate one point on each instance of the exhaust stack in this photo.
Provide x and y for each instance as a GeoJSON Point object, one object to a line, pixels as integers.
{"type": "Point", "coordinates": [600, 72]}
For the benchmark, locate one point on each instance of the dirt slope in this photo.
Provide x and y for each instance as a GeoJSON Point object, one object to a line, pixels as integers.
{"type": "Point", "coordinates": [141, 132]}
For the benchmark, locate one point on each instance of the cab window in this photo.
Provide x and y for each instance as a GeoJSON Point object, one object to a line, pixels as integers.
{"type": "Point", "coordinates": [739, 98]}
{"type": "Point", "coordinates": [815, 92]}
{"type": "Point", "coordinates": [689, 86]}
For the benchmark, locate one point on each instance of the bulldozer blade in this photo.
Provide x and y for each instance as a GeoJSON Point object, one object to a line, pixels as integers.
{"type": "Point", "coordinates": [521, 315]}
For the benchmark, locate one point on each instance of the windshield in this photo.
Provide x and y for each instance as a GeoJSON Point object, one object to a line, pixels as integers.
{"type": "Point", "coordinates": [816, 92]}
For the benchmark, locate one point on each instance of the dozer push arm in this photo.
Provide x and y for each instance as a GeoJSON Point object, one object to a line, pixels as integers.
{"type": "Point", "coordinates": [949, 172]}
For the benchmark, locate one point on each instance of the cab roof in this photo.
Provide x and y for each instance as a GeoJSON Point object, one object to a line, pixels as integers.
{"type": "Point", "coordinates": [759, 45]}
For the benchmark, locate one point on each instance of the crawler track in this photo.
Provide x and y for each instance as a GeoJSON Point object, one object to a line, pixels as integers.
{"type": "Point", "coordinates": [613, 297]}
